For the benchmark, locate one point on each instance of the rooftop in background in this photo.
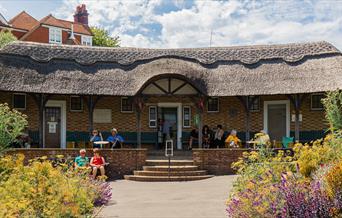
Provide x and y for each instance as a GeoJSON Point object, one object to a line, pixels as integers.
{"type": "Point", "coordinates": [50, 29]}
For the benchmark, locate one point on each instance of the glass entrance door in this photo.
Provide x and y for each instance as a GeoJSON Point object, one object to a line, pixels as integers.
{"type": "Point", "coordinates": [168, 125]}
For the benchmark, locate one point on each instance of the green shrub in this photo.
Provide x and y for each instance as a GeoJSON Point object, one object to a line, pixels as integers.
{"type": "Point", "coordinates": [6, 37]}
{"type": "Point", "coordinates": [42, 190]}
{"type": "Point", "coordinates": [12, 123]}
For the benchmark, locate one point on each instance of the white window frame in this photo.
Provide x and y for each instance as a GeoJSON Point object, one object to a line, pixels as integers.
{"type": "Point", "coordinates": [316, 109]}
{"type": "Point", "coordinates": [86, 40]}
{"type": "Point", "coordinates": [54, 32]}
{"type": "Point", "coordinates": [122, 111]}
{"type": "Point", "coordinates": [188, 107]}
{"type": "Point", "coordinates": [13, 101]}
{"type": "Point", "coordinates": [76, 96]}
{"type": "Point", "coordinates": [149, 116]}
{"type": "Point", "coordinates": [218, 105]}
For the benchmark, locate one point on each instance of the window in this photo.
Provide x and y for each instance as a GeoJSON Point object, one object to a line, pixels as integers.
{"type": "Point", "coordinates": [102, 116]}
{"type": "Point", "coordinates": [126, 105]}
{"type": "Point", "coordinates": [152, 116]}
{"type": "Point", "coordinates": [316, 102]}
{"type": "Point", "coordinates": [19, 101]}
{"type": "Point", "coordinates": [87, 40]}
{"type": "Point", "coordinates": [213, 105]}
{"type": "Point", "coordinates": [186, 116]}
{"type": "Point", "coordinates": [255, 105]}
{"type": "Point", "coordinates": [76, 103]}
{"type": "Point", "coordinates": [55, 35]}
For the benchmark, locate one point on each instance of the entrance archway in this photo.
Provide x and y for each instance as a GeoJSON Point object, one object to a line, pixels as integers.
{"type": "Point", "coordinates": [169, 115]}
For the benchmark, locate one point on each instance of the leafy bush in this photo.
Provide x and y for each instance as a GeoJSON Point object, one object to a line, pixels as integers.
{"type": "Point", "coordinates": [6, 37]}
{"type": "Point", "coordinates": [12, 123]}
{"type": "Point", "coordinates": [333, 110]}
{"type": "Point", "coordinates": [43, 190]}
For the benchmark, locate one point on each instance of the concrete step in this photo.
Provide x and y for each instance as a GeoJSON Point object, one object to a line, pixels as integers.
{"type": "Point", "coordinates": [176, 153]}
{"type": "Point", "coordinates": [172, 168]}
{"type": "Point", "coordinates": [160, 157]}
{"type": "Point", "coordinates": [165, 178]}
{"type": "Point", "coordinates": [172, 173]}
{"type": "Point", "coordinates": [166, 162]}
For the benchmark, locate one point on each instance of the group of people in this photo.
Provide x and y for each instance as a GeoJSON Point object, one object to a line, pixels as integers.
{"type": "Point", "coordinates": [96, 163]}
{"type": "Point", "coordinates": [115, 140]}
{"type": "Point", "coordinates": [216, 138]}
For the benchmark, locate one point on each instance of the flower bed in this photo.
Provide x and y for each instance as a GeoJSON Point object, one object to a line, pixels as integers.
{"type": "Point", "coordinates": [44, 189]}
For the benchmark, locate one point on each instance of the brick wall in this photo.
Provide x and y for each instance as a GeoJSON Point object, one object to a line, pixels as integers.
{"type": "Point", "coordinates": [121, 161]}
{"type": "Point", "coordinates": [216, 161]}
{"type": "Point", "coordinates": [126, 122]}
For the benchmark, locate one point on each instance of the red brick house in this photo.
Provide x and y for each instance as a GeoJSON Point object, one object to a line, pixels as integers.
{"type": "Point", "coordinates": [68, 90]}
{"type": "Point", "coordinates": [50, 29]}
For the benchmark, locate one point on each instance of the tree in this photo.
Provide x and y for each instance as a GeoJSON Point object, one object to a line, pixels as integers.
{"type": "Point", "coordinates": [102, 38]}
{"type": "Point", "coordinates": [6, 37]}
{"type": "Point", "coordinates": [12, 123]}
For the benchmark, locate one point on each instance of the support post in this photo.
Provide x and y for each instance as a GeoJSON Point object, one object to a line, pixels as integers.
{"type": "Point", "coordinates": [139, 106]}
{"type": "Point", "coordinates": [41, 120]}
{"type": "Point", "coordinates": [200, 134]}
{"type": "Point", "coordinates": [41, 100]}
{"type": "Point", "coordinates": [91, 113]}
{"type": "Point", "coordinates": [247, 102]}
{"type": "Point", "coordinates": [297, 101]}
{"type": "Point", "coordinates": [138, 129]}
{"type": "Point", "coordinates": [91, 106]}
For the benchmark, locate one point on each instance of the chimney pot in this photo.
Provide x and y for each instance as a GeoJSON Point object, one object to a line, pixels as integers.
{"type": "Point", "coordinates": [81, 14]}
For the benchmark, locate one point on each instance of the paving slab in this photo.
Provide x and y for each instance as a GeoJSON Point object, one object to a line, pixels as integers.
{"type": "Point", "coordinates": [194, 199]}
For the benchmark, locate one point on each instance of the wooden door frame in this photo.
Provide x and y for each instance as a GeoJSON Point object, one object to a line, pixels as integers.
{"type": "Point", "coordinates": [62, 106]}
{"type": "Point", "coordinates": [179, 119]}
{"type": "Point", "coordinates": [287, 103]}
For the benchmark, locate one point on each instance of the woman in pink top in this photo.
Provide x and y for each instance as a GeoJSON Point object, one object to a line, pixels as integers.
{"type": "Point", "coordinates": [97, 162]}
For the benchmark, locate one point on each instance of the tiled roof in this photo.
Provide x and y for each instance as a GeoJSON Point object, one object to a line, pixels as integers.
{"type": "Point", "coordinates": [23, 21]}
{"type": "Point", "coordinates": [78, 27]}
{"type": "Point", "coordinates": [125, 56]}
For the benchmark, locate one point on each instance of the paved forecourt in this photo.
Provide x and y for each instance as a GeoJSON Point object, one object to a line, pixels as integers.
{"type": "Point", "coordinates": [195, 199]}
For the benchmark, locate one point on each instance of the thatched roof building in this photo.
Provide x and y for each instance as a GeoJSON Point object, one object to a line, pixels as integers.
{"type": "Point", "coordinates": [223, 71]}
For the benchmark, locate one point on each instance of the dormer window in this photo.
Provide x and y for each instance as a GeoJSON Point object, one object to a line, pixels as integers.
{"type": "Point", "coordinates": [87, 40]}
{"type": "Point", "coordinates": [55, 35]}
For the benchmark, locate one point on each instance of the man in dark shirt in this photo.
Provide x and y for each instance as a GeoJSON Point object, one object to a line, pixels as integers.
{"type": "Point", "coordinates": [193, 137]}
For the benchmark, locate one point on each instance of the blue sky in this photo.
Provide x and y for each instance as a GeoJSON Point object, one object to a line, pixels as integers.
{"type": "Point", "coordinates": [190, 23]}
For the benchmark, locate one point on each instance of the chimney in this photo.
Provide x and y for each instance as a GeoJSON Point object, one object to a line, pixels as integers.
{"type": "Point", "coordinates": [81, 14]}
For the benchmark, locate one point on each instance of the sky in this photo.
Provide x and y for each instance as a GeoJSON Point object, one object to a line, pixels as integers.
{"type": "Point", "coordinates": [190, 23]}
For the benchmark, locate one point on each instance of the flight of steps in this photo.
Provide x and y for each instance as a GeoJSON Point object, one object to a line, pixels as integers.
{"type": "Point", "coordinates": [157, 170]}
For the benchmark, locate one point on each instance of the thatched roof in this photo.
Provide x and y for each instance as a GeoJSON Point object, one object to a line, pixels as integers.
{"type": "Point", "coordinates": [222, 71]}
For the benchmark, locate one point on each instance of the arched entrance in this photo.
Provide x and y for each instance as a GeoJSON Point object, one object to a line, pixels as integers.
{"type": "Point", "coordinates": [168, 115]}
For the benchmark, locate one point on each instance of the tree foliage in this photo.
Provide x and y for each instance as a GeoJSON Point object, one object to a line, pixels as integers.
{"type": "Point", "coordinates": [6, 37]}
{"type": "Point", "coordinates": [333, 110]}
{"type": "Point", "coordinates": [12, 123]}
{"type": "Point", "coordinates": [102, 38]}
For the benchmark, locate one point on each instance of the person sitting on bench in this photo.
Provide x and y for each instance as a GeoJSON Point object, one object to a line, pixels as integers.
{"type": "Point", "coordinates": [97, 162]}
{"type": "Point", "coordinates": [115, 139]}
{"type": "Point", "coordinates": [82, 160]}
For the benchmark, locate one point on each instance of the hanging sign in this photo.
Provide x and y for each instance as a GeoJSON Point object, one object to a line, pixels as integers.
{"type": "Point", "coordinates": [52, 127]}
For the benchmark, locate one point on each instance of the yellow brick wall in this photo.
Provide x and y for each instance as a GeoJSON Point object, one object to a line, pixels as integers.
{"type": "Point", "coordinates": [231, 114]}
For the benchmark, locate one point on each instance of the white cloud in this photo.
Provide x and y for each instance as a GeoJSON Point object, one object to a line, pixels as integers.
{"type": "Point", "coordinates": [231, 22]}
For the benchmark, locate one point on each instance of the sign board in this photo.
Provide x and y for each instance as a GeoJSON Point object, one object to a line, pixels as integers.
{"type": "Point", "coordinates": [52, 127]}
{"type": "Point", "coordinates": [169, 148]}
